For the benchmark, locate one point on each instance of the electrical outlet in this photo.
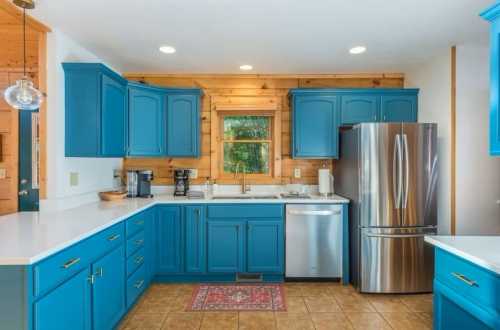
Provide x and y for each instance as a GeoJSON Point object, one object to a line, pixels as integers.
{"type": "Point", "coordinates": [193, 173]}
{"type": "Point", "coordinates": [296, 173]}
{"type": "Point", "coordinates": [3, 173]}
{"type": "Point", "coordinates": [73, 179]}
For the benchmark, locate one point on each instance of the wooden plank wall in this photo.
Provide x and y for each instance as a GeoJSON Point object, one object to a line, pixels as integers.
{"type": "Point", "coordinates": [11, 60]}
{"type": "Point", "coordinates": [236, 88]}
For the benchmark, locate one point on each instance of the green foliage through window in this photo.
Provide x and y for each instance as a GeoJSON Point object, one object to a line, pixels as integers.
{"type": "Point", "coordinates": [247, 142]}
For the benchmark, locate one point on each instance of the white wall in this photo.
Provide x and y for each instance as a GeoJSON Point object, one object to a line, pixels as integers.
{"type": "Point", "coordinates": [478, 174]}
{"type": "Point", "coordinates": [94, 174]}
{"type": "Point", "coordinates": [434, 80]}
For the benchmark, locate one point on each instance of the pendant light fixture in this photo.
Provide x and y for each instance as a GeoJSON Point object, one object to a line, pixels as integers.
{"type": "Point", "coordinates": [23, 95]}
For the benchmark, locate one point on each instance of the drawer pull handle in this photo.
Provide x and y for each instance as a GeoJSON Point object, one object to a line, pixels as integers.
{"type": "Point", "coordinates": [139, 242]}
{"type": "Point", "coordinates": [464, 279]}
{"type": "Point", "coordinates": [70, 263]}
{"type": "Point", "coordinates": [113, 238]}
{"type": "Point", "coordinates": [139, 260]}
{"type": "Point", "coordinates": [139, 284]}
{"type": "Point", "coordinates": [139, 223]}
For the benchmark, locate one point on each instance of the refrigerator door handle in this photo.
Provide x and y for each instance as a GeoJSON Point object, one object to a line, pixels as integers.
{"type": "Point", "coordinates": [400, 235]}
{"type": "Point", "coordinates": [407, 171]}
{"type": "Point", "coordinates": [397, 173]}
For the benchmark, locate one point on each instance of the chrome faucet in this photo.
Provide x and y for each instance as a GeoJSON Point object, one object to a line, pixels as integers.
{"type": "Point", "coordinates": [244, 187]}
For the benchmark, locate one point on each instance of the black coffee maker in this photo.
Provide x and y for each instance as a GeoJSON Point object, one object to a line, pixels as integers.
{"type": "Point", "coordinates": [181, 181]}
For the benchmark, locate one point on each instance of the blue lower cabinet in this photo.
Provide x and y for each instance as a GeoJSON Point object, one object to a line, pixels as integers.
{"type": "Point", "coordinates": [136, 284]}
{"type": "Point", "coordinates": [108, 291]}
{"type": "Point", "coordinates": [150, 244]}
{"type": "Point", "coordinates": [169, 240]}
{"type": "Point", "coordinates": [226, 246]}
{"type": "Point", "coordinates": [265, 246]}
{"type": "Point", "coordinates": [195, 252]}
{"type": "Point", "coordinates": [398, 108]}
{"type": "Point", "coordinates": [66, 307]}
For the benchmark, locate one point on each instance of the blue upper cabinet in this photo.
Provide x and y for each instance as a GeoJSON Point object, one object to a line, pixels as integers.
{"type": "Point", "coordinates": [398, 108]}
{"type": "Point", "coordinates": [146, 121]}
{"type": "Point", "coordinates": [315, 126]}
{"type": "Point", "coordinates": [183, 124]}
{"type": "Point", "coordinates": [360, 108]}
{"type": "Point", "coordinates": [95, 111]}
{"type": "Point", "coordinates": [493, 16]}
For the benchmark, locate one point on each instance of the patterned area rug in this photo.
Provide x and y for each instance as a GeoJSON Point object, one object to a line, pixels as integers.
{"type": "Point", "coordinates": [238, 297]}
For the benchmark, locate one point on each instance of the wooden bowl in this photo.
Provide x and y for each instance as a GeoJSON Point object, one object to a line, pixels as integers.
{"type": "Point", "coordinates": [112, 195]}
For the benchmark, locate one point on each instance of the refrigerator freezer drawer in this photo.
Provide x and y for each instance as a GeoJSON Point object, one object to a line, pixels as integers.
{"type": "Point", "coordinates": [396, 262]}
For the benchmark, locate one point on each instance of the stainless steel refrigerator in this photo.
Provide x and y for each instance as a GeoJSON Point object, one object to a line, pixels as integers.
{"type": "Point", "coordinates": [390, 173]}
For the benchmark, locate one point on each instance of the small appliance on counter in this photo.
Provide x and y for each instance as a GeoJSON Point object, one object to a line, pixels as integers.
{"type": "Point", "coordinates": [325, 182]}
{"type": "Point", "coordinates": [181, 181]}
{"type": "Point", "coordinates": [139, 183]}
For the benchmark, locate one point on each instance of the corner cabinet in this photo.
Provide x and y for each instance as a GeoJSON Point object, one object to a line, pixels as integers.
{"type": "Point", "coordinates": [493, 16]}
{"type": "Point", "coordinates": [317, 115]}
{"type": "Point", "coordinates": [95, 111]}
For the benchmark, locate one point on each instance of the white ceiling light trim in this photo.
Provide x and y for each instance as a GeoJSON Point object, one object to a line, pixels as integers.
{"type": "Point", "coordinates": [246, 67]}
{"type": "Point", "coordinates": [357, 50]}
{"type": "Point", "coordinates": [167, 49]}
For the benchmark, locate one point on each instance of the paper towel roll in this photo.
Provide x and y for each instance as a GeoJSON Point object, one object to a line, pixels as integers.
{"type": "Point", "coordinates": [324, 181]}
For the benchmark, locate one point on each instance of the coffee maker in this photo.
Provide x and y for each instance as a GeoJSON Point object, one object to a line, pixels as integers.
{"type": "Point", "coordinates": [139, 183]}
{"type": "Point", "coordinates": [181, 181]}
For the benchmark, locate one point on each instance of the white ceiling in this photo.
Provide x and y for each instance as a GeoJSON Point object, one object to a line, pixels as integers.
{"type": "Point", "coordinates": [275, 36]}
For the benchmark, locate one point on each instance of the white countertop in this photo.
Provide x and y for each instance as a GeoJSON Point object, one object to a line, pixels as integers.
{"type": "Point", "coordinates": [28, 237]}
{"type": "Point", "coordinates": [483, 251]}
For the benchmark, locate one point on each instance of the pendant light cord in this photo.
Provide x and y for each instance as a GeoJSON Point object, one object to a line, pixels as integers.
{"type": "Point", "coordinates": [24, 41]}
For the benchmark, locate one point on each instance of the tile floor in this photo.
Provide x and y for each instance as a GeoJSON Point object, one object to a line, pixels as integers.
{"type": "Point", "coordinates": [310, 306]}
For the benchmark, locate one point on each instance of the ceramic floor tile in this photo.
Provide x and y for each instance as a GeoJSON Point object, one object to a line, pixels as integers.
{"type": "Point", "coordinates": [256, 321]}
{"type": "Point", "coordinates": [367, 321]}
{"type": "Point", "coordinates": [353, 302]}
{"type": "Point", "coordinates": [163, 290]}
{"type": "Point", "coordinates": [427, 318]}
{"type": "Point", "coordinates": [294, 321]}
{"type": "Point", "coordinates": [418, 303]}
{"type": "Point", "coordinates": [145, 322]}
{"type": "Point", "coordinates": [321, 304]}
{"type": "Point", "coordinates": [330, 321]}
{"type": "Point", "coordinates": [219, 321]}
{"type": "Point", "coordinates": [154, 305]}
{"type": "Point", "coordinates": [407, 321]}
{"type": "Point", "coordinates": [292, 290]}
{"type": "Point", "coordinates": [314, 290]}
{"type": "Point", "coordinates": [295, 305]}
{"type": "Point", "coordinates": [180, 303]}
{"type": "Point", "coordinates": [183, 321]}
{"type": "Point", "coordinates": [387, 303]}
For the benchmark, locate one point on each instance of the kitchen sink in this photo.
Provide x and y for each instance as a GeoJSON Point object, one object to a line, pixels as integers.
{"type": "Point", "coordinates": [246, 197]}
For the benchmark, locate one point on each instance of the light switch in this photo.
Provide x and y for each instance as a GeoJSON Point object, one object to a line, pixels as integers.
{"type": "Point", "coordinates": [296, 173]}
{"type": "Point", "coordinates": [3, 173]}
{"type": "Point", "coordinates": [73, 179]}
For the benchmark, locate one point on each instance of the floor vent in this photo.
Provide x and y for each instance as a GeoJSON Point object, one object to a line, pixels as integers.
{"type": "Point", "coordinates": [248, 278]}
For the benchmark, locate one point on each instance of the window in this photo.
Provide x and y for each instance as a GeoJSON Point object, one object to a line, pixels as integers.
{"type": "Point", "coordinates": [247, 142]}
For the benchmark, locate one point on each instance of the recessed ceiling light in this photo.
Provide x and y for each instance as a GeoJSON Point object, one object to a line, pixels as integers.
{"type": "Point", "coordinates": [357, 50]}
{"type": "Point", "coordinates": [167, 49]}
{"type": "Point", "coordinates": [246, 67]}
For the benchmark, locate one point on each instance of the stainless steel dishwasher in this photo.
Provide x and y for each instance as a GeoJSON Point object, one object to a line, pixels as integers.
{"type": "Point", "coordinates": [313, 241]}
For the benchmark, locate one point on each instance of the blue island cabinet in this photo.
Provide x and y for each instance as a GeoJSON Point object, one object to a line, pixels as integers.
{"type": "Point", "coordinates": [466, 296]}
{"type": "Point", "coordinates": [95, 111]}
{"type": "Point", "coordinates": [493, 16]}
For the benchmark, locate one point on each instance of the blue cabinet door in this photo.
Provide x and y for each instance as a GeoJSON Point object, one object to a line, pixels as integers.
{"type": "Point", "coordinates": [108, 291]}
{"type": "Point", "coordinates": [398, 108]}
{"type": "Point", "coordinates": [361, 108]}
{"type": "Point", "coordinates": [169, 240]}
{"type": "Point", "coordinates": [113, 118]}
{"type": "Point", "coordinates": [66, 307]}
{"type": "Point", "coordinates": [195, 254]}
{"type": "Point", "coordinates": [183, 126]}
{"type": "Point", "coordinates": [226, 246]}
{"type": "Point", "coordinates": [146, 122]}
{"type": "Point", "coordinates": [150, 243]}
{"type": "Point", "coordinates": [315, 127]}
{"type": "Point", "coordinates": [265, 246]}
{"type": "Point", "coordinates": [492, 15]}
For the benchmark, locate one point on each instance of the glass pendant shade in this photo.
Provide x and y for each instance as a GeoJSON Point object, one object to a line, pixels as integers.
{"type": "Point", "coordinates": [23, 95]}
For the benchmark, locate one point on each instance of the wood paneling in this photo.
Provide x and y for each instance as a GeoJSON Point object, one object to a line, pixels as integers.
{"type": "Point", "coordinates": [241, 90]}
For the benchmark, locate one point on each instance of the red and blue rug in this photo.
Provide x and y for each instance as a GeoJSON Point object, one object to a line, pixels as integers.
{"type": "Point", "coordinates": [238, 297]}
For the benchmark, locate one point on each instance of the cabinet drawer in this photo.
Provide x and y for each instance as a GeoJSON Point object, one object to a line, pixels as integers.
{"type": "Point", "coordinates": [135, 261]}
{"type": "Point", "coordinates": [245, 211]}
{"type": "Point", "coordinates": [64, 264]}
{"type": "Point", "coordinates": [136, 285]}
{"type": "Point", "coordinates": [135, 223]}
{"type": "Point", "coordinates": [135, 242]}
{"type": "Point", "coordinates": [468, 280]}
